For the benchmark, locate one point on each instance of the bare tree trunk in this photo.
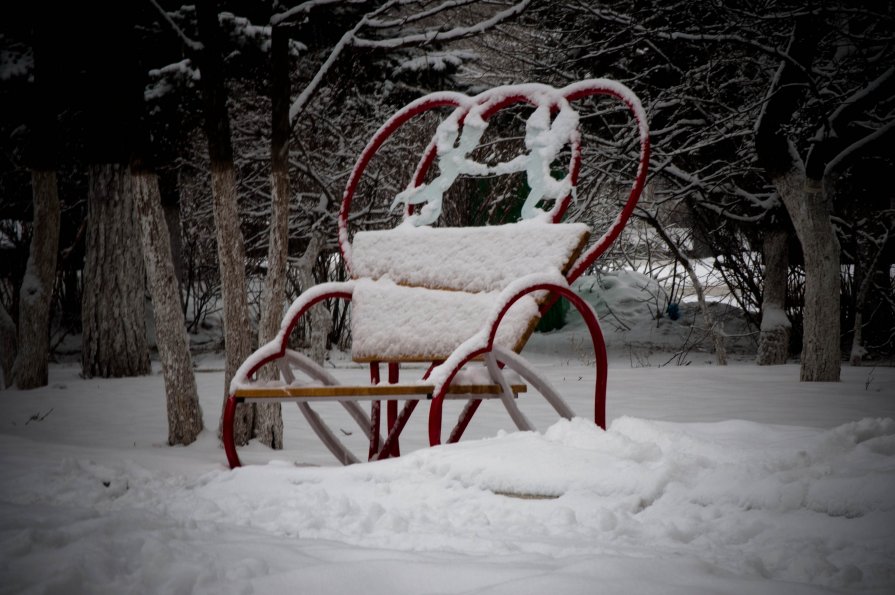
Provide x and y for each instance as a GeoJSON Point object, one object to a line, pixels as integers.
{"type": "Point", "coordinates": [32, 359]}
{"type": "Point", "coordinates": [773, 341]}
{"type": "Point", "coordinates": [30, 368]}
{"type": "Point", "coordinates": [864, 280]}
{"type": "Point", "coordinates": [856, 355]}
{"type": "Point", "coordinates": [231, 259]}
{"type": "Point", "coordinates": [807, 206]}
{"type": "Point", "coordinates": [715, 327]}
{"type": "Point", "coordinates": [112, 309]}
{"type": "Point", "coordinates": [268, 422]}
{"type": "Point", "coordinates": [7, 347]}
{"type": "Point", "coordinates": [231, 247]}
{"type": "Point", "coordinates": [268, 427]}
{"type": "Point", "coordinates": [184, 413]}
{"type": "Point", "coordinates": [320, 321]}
{"type": "Point", "coordinates": [171, 206]}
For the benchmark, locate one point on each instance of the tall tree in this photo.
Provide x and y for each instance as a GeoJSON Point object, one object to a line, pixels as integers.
{"type": "Point", "coordinates": [182, 400]}
{"type": "Point", "coordinates": [7, 347]}
{"type": "Point", "coordinates": [184, 412]}
{"type": "Point", "coordinates": [31, 366]}
{"type": "Point", "coordinates": [839, 97]}
{"type": "Point", "coordinates": [112, 309]}
{"type": "Point", "coordinates": [231, 250]}
{"type": "Point", "coordinates": [32, 358]}
{"type": "Point", "coordinates": [807, 206]}
{"type": "Point", "coordinates": [773, 344]}
{"type": "Point", "coordinates": [113, 314]}
{"type": "Point", "coordinates": [269, 417]}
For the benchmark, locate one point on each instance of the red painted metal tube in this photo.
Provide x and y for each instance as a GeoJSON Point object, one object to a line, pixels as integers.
{"type": "Point", "coordinates": [345, 295]}
{"type": "Point", "coordinates": [395, 433]}
{"type": "Point", "coordinates": [413, 109]}
{"type": "Point", "coordinates": [463, 421]}
{"type": "Point", "coordinates": [394, 371]}
{"type": "Point", "coordinates": [375, 408]}
{"type": "Point", "coordinates": [230, 407]}
{"type": "Point", "coordinates": [593, 326]}
{"type": "Point", "coordinates": [227, 432]}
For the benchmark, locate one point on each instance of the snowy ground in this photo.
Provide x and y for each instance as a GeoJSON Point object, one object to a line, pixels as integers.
{"type": "Point", "coordinates": [709, 480]}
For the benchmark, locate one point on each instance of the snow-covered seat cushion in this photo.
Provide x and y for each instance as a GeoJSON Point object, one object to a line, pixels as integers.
{"type": "Point", "coordinates": [392, 322]}
{"type": "Point", "coordinates": [421, 292]}
{"type": "Point", "coordinates": [466, 258]}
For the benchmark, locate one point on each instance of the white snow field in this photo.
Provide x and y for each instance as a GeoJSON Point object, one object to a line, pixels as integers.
{"type": "Point", "coordinates": [736, 479]}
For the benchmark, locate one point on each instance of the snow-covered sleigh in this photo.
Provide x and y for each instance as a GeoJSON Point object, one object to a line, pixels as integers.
{"type": "Point", "coordinates": [464, 300]}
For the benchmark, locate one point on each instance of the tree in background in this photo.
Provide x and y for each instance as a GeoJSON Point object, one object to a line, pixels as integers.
{"type": "Point", "coordinates": [830, 101]}
{"type": "Point", "coordinates": [182, 399]}
{"type": "Point", "coordinates": [32, 349]}
{"type": "Point", "coordinates": [726, 130]}
{"type": "Point", "coordinates": [114, 341]}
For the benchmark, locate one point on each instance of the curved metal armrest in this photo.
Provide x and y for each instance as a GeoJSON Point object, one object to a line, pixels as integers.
{"type": "Point", "coordinates": [483, 342]}
{"type": "Point", "coordinates": [276, 348]}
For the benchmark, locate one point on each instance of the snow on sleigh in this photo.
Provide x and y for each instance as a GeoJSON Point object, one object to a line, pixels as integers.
{"type": "Point", "coordinates": [463, 300]}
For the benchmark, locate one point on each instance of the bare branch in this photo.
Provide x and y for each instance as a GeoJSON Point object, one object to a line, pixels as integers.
{"type": "Point", "coordinates": [447, 5]}
{"type": "Point", "coordinates": [187, 41]}
{"type": "Point", "coordinates": [440, 34]}
{"type": "Point", "coordinates": [854, 148]}
{"type": "Point", "coordinates": [305, 8]}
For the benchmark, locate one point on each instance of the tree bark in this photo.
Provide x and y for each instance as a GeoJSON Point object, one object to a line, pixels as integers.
{"type": "Point", "coordinates": [170, 194]}
{"type": "Point", "coordinates": [31, 368]}
{"type": "Point", "coordinates": [112, 309]}
{"type": "Point", "coordinates": [32, 350]}
{"type": "Point", "coordinates": [808, 208]}
{"type": "Point", "coordinates": [231, 262]}
{"type": "Point", "coordinates": [810, 213]}
{"type": "Point", "coordinates": [856, 355]}
{"type": "Point", "coordinates": [320, 322]}
{"type": "Point", "coordinates": [7, 347]}
{"type": "Point", "coordinates": [184, 412]}
{"type": "Point", "coordinates": [230, 243]}
{"type": "Point", "coordinates": [773, 341]}
{"type": "Point", "coordinates": [864, 272]}
{"type": "Point", "coordinates": [268, 423]}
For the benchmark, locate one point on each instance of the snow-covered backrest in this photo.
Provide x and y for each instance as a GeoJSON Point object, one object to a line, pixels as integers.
{"type": "Point", "coordinates": [551, 129]}
{"type": "Point", "coordinates": [472, 259]}
{"type": "Point", "coordinates": [421, 291]}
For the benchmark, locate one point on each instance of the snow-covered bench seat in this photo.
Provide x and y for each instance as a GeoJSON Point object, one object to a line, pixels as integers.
{"type": "Point", "coordinates": [422, 291]}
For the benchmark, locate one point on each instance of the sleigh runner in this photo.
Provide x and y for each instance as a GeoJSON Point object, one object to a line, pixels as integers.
{"type": "Point", "coordinates": [463, 300]}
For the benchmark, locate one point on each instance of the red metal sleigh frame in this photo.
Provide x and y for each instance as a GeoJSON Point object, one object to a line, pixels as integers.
{"type": "Point", "coordinates": [439, 385]}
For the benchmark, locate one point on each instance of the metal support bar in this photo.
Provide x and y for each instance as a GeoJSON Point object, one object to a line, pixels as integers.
{"type": "Point", "coordinates": [507, 396]}
{"type": "Point", "coordinates": [395, 433]}
{"type": "Point", "coordinates": [374, 429]}
{"type": "Point", "coordinates": [227, 423]}
{"type": "Point", "coordinates": [326, 436]}
{"type": "Point", "coordinates": [463, 421]}
{"type": "Point", "coordinates": [518, 365]}
{"type": "Point", "coordinates": [375, 408]}
{"type": "Point", "coordinates": [394, 372]}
